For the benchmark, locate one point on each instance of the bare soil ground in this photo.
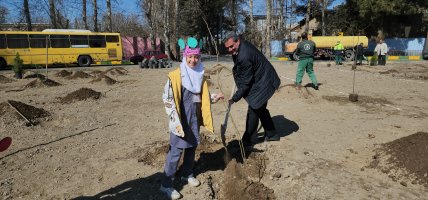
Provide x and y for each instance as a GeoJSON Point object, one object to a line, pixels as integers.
{"type": "Point", "coordinates": [101, 133]}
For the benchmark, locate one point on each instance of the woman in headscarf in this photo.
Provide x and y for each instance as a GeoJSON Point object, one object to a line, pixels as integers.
{"type": "Point", "coordinates": [188, 105]}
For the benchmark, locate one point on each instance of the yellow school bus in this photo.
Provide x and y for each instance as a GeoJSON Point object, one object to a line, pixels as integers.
{"type": "Point", "coordinates": [60, 46]}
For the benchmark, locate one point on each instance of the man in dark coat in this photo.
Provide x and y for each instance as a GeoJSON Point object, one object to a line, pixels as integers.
{"type": "Point", "coordinates": [256, 82]}
{"type": "Point", "coordinates": [359, 49]}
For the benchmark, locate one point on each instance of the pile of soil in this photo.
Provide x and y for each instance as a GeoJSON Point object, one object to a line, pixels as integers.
{"type": "Point", "coordinates": [237, 186]}
{"type": "Point", "coordinates": [63, 73]}
{"type": "Point", "coordinates": [80, 95]}
{"type": "Point", "coordinates": [153, 155]}
{"type": "Point", "coordinates": [79, 74]}
{"type": "Point", "coordinates": [107, 79]}
{"type": "Point", "coordinates": [39, 76]}
{"type": "Point", "coordinates": [292, 91]}
{"type": "Point", "coordinates": [42, 83]}
{"type": "Point", "coordinates": [9, 114]}
{"type": "Point", "coordinates": [404, 159]}
{"type": "Point", "coordinates": [369, 103]}
{"type": "Point", "coordinates": [4, 79]}
{"type": "Point", "coordinates": [116, 71]}
{"type": "Point", "coordinates": [30, 112]}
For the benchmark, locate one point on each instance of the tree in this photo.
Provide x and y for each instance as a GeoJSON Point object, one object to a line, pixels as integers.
{"type": "Point", "coordinates": [109, 25]}
{"type": "Point", "coordinates": [268, 27]}
{"type": "Point", "coordinates": [3, 13]}
{"type": "Point", "coordinates": [95, 17]}
{"type": "Point", "coordinates": [52, 14]}
{"type": "Point", "coordinates": [27, 15]}
{"type": "Point", "coordinates": [85, 21]}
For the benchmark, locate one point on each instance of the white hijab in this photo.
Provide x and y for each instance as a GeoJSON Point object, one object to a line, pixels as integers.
{"type": "Point", "coordinates": [191, 78]}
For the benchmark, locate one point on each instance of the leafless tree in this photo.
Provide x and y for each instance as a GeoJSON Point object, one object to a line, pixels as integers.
{"type": "Point", "coordinates": [52, 14]}
{"type": "Point", "coordinates": [95, 17]}
{"type": "Point", "coordinates": [308, 13]}
{"type": "Point", "coordinates": [109, 25]}
{"type": "Point", "coordinates": [27, 15]}
{"type": "Point", "coordinates": [85, 21]}
{"type": "Point", "coordinates": [166, 28]}
{"type": "Point", "coordinates": [268, 28]}
{"type": "Point", "coordinates": [3, 13]}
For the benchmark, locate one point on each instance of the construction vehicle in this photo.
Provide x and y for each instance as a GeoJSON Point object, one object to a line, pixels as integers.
{"type": "Point", "coordinates": [325, 45]}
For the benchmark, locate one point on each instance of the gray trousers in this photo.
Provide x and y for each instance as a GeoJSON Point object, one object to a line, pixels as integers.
{"type": "Point", "coordinates": [172, 159]}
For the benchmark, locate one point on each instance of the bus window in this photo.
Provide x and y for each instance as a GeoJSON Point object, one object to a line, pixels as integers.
{"type": "Point", "coordinates": [79, 41]}
{"type": "Point", "coordinates": [38, 41]}
{"type": "Point", "coordinates": [97, 41]}
{"type": "Point", "coordinates": [112, 38]}
{"type": "Point", "coordinates": [60, 41]}
{"type": "Point", "coordinates": [18, 41]}
{"type": "Point", "coordinates": [2, 41]}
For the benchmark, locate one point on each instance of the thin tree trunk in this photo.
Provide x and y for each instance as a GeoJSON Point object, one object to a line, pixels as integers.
{"type": "Point", "coordinates": [166, 28]}
{"type": "Point", "coordinates": [281, 16]}
{"type": "Point", "coordinates": [52, 13]}
{"type": "Point", "coordinates": [95, 17]}
{"type": "Point", "coordinates": [324, 8]}
{"type": "Point", "coordinates": [251, 15]}
{"type": "Point", "coordinates": [85, 21]}
{"type": "Point", "coordinates": [308, 12]}
{"type": "Point", "coordinates": [233, 14]}
{"type": "Point", "coordinates": [27, 15]}
{"type": "Point", "coordinates": [268, 27]}
{"type": "Point", "coordinates": [109, 16]}
{"type": "Point", "coordinates": [176, 28]}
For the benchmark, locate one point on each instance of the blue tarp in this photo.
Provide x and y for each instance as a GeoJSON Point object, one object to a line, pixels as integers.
{"type": "Point", "coordinates": [276, 48]}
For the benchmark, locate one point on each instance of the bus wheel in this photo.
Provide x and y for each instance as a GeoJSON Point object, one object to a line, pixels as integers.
{"type": "Point", "coordinates": [84, 61]}
{"type": "Point", "coordinates": [349, 55]}
{"type": "Point", "coordinates": [3, 63]}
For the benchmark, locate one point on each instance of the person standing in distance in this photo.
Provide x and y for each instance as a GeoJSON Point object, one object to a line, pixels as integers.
{"type": "Point", "coordinates": [305, 51]}
{"type": "Point", "coordinates": [256, 82]}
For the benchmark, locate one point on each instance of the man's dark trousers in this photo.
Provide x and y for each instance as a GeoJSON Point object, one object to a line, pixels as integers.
{"type": "Point", "coordinates": [253, 116]}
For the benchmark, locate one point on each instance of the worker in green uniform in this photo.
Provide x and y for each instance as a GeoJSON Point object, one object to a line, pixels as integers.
{"type": "Point", "coordinates": [338, 51]}
{"type": "Point", "coordinates": [305, 51]}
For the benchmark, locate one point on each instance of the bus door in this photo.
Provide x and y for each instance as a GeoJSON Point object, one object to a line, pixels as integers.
{"type": "Point", "coordinates": [114, 47]}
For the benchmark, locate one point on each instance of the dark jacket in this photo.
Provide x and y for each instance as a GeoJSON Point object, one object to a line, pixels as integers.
{"type": "Point", "coordinates": [254, 75]}
{"type": "Point", "coordinates": [306, 49]}
{"type": "Point", "coordinates": [359, 49]}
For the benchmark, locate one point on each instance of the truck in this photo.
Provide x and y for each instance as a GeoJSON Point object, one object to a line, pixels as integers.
{"type": "Point", "coordinates": [325, 45]}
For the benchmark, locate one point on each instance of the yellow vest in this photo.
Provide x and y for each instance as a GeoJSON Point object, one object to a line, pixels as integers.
{"type": "Point", "coordinates": [207, 120]}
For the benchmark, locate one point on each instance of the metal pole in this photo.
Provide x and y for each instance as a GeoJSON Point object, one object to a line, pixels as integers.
{"type": "Point", "coordinates": [47, 55]}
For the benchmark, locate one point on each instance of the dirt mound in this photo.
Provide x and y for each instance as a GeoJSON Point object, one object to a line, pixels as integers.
{"type": "Point", "coordinates": [153, 155]}
{"type": "Point", "coordinates": [39, 76]}
{"type": "Point", "coordinates": [107, 79]}
{"type": "Point", "coordinates": [80, 95]}
{"type": "Point", "coordinates": [13, 111]}
{"type": "Point", "coordinates": [4, 79]}
{"type": "Point", "coordinates": [371, 104]}
{"type": "Point", "coordinates": [80, 74]}
{"type": "Point", "coordinates": [291, 91]}
{"type": "Point", "coordinates": [63, 73]}
{"type": "Point", "coordinates": [42, 83]}
{"type": "Point", "coordinates": [404, 159]}
{"type": "Point", "coordinates": [237, 186]}
{"type": "Point", "coordinates": [116, 71]}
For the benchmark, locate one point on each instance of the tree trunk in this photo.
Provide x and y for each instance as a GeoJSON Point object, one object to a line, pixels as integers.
{"type": "Point", "coordinates": [308, 12]}
{"type": "Point", "coordinates": [95, 17]}
{"type": "Point", "coordinates": [233, 14]}
{"type": "Point", "coordinates": [281, 16]}
{"type": "Point", "coordinates": [166, 28]}
{"type": "Point", "coordinates": [27, 15]}
{"type": "Point", "coordinates": [324, 8]}
{"type": "Point", "coordinates": [85, 21]}
{"type": "Point", "coordinates": [176, 28]}
{"type": "Point", "coordinates": [268, 27]}
{"type": "Point", "coordinates": [109, 28]}
{"type": "Point", "coordinates": [251, 16]}
{"type": "Point", "coordinates": [52, 14]}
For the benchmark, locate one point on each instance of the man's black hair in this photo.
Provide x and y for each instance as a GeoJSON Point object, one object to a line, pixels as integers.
{"type": "Point", "coordinates": [304, 36]}
{"type": "Point", "coordinates": [229, 35]}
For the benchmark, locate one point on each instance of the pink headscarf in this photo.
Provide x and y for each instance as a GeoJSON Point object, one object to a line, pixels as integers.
{"type": "Point", "coordinates": [191, 51]}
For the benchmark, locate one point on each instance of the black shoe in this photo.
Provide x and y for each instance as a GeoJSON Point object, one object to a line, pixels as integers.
{"type": "Point", "coordinates": [316, 87]}
{"type": "Point", "coordinates": [271, 136]}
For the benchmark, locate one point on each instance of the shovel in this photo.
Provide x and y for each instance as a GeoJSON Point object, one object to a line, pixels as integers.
{"type": "Point", "coordinates": [224, 126]}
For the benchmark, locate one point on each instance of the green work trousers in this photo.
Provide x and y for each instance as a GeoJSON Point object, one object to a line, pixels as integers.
{"type": "Point", "coordinates": [306, 64]}
{"type": "Point", "coordinates": [338, 59]}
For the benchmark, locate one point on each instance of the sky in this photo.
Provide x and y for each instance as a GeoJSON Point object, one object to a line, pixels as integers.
{"type": "Point", "coordinates": [122, 6]}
